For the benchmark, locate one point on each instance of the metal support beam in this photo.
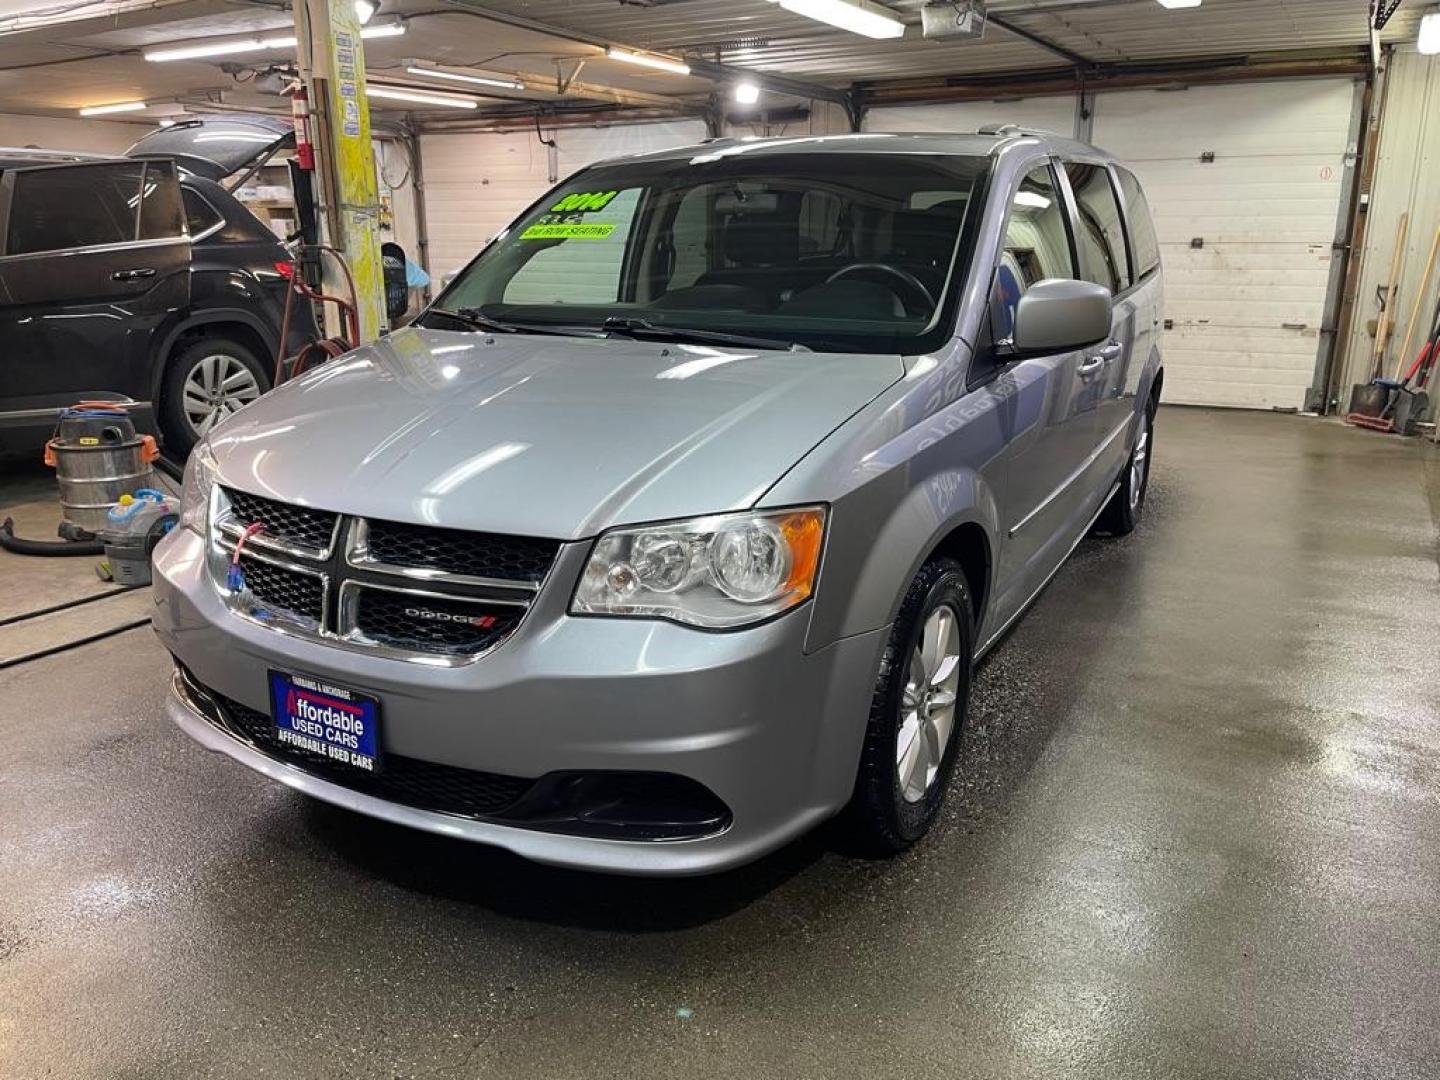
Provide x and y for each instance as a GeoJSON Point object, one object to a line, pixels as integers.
{"type": "Point", "coordinates": [1039, 41]}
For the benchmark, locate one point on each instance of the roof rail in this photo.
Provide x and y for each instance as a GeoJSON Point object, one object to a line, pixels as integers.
{"type": "Point", "coordinates": [1013, 129]}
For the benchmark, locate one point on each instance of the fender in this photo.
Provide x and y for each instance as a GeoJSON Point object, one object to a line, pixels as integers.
{"type": "Point", "coordinates": [209, 316]}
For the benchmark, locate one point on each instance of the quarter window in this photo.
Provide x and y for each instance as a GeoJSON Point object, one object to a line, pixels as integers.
{"type": "Point", "coordinates": [200, 216]}
{"type": "Point", "coordinates": [161, 213]}
{"type": "Point", "coordinates": [1143, 241]}
{"type": "Point", "coordinates": [1099, 232]}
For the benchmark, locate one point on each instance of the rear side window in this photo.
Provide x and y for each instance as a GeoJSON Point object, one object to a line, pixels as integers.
{"type": "Point", "coordinates": [162, 216]}
{"type": "Point", "coordinates": [1143, 241]}
{"type": "Point", "coordinates": [75, 206]}
{"type": "Point", "coordinates": [1099, 232]}
{"type": "Point", "coordinates": [200, 216]}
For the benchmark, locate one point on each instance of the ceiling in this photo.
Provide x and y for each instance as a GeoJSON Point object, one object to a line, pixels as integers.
{"type": "Point", "coordinates": [56, 56]}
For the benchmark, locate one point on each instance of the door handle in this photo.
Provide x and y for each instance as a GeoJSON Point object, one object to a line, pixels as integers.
{"type": "Point", "coordinates": [131, 275]}
{"type": "Point", "coordinates": [1090, 367]}
{"type": "Point", "coordinates": [1110, 351]}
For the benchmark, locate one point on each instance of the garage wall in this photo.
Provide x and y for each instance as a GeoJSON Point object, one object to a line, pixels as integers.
{"type": "Point", "coordinates": [1405, 180]}
{"type": "Point", "coordinates": [1246, 306]}
{"type": "Point", "coordinates": [63, 133]}
{"type": "Point", "coordinates": [475, 184]}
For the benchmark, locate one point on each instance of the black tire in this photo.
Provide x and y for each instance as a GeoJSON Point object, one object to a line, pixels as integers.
{"type": "Point", "coordinates": [879, 819]}
{"type": "Point", "coordinates": [1125, 508]}
{"type": "Point", "coordinates": [181, 433]}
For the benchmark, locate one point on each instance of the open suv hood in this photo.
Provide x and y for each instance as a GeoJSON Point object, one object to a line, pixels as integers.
{"type": "Point", "coordinates": [542, 436]}
{"type": "Point", "coordinates": [217, 146]}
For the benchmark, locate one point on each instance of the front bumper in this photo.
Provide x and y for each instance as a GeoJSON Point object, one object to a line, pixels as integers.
{"type": "Point", "coordinates": [772, 732]}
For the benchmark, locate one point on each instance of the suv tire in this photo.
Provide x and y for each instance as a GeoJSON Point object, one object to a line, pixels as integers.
{"type": "Point", "coordinates": [215, 371]}
{"type": "Point", "coordinates": [917, 713]}
{"type": "Point", "coordinates": [1122, 513]}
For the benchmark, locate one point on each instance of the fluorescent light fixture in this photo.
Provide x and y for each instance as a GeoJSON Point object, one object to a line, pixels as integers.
{"type": "Point", "coordinates": [857, 16]}
{"type": "Point", "coordinates": [119, 106]}
{"type": "Point", "coordinates": [747, 92]}
{"type": "Point", "coordinates": [1430, 34]}
{"type": "Point", "coordinates": [379, 30]}
{"type": "Point", "coordinates": [265, 43]}
{"type": "Point", "coordinates": [420, 97]}
{"type": "Point", "coordinates": [455, 76]}
{"type": "Point", "coordinates": [167, 122]}
{"type": "Point", "coordinates": [1174, 4]}
{"type": "Point", "coordinates": [661, 63]}
{"type": "Point", "coordinates": [365, 10]}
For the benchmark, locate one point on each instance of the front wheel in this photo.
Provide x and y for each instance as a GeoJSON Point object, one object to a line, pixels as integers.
{"type": "Point", "coordinates": [207, 381]}
{"type": "Point", "coordinates": [917, 712]}
{"type": "Point", "coordinates": [1123, 511]}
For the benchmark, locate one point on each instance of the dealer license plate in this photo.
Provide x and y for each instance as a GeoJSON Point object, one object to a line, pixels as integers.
{"type": "Point", "coordinates": [340, 724]}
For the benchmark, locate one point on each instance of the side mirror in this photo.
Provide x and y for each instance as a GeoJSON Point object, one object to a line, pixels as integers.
{"type": "Point", "coordinates": [1059, 315]}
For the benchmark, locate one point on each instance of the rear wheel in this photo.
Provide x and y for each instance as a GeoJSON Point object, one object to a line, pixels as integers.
{"type": "Point", "coordinates": [1122, 513]}
{"type": "Point", "coordinates": [917, 712]}
{"type": "Point", "coordinates": [207, 381]}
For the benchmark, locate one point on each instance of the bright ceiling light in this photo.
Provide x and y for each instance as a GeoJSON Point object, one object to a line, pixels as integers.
{"type": "Point", "coordinates": [1174, 4]}
{"type": "Point", "coordinates": [857, 16]}
{"type": "Point", "coordinates": [420, 97]}
{"type": "Point", "coordinates": [365, 10]}
{"type": "Point", "coordinates": [390, 29]}
{"type": "Point", "coordinates": [1430, 34]}
{"type": "Point", "coordinates": [661, 63]}
{"type": "Point", "coordinates": [456, 76]}
{"type": "Point", "coordinates": [119, 106]}
{"type": "Point", "coordinates": [266, 43]}
{"type": "Point", "coordinates": [1032, 199]}
{"type": "Point", "coordinates": [747, 92]}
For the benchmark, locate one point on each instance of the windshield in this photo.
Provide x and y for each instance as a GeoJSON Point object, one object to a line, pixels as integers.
{"type": "Point", "coordinates": [830, 251]}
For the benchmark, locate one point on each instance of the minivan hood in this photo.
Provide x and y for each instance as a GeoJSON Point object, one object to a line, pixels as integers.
{"type": "Point", "coordinates": [542, 436]}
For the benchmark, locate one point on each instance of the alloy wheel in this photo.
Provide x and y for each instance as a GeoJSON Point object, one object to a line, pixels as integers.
{"type": "Point", "coordinates": [217, 386]}
{"type": "Point", "coordinates": [927, 708]}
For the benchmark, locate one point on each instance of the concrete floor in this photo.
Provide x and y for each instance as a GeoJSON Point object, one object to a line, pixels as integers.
{"type": "Point", "coordinates": [1195, 833]}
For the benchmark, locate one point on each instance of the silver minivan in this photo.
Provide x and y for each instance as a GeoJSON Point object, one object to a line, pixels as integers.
{"type": "Point", "coordinates": [676, 525]}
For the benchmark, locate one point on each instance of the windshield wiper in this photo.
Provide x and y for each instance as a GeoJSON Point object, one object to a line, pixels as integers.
{"type": "Point", "coordinates": [645, 330]}
{"type": "Point", "coordinates": [478, 320]}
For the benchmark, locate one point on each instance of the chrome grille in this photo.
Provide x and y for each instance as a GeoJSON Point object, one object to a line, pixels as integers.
{"type": "Point", "coordinates": [431, 624]}
{"type": "Point", "coordinates": [452, 551]}
{"type": "Point", "coordinates": [299, 529]}
{"type": "Point", "coordinates": [437, 595]}
{"type": "Point", "coordinates": [283, 590]}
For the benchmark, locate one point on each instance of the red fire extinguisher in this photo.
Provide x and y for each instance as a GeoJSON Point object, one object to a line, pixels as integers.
{"type": "Point", "coordinates": [300, 113]}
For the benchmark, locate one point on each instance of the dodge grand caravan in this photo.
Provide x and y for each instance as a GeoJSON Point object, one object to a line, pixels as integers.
{"type": "Point", "coordinates": [676, 525]}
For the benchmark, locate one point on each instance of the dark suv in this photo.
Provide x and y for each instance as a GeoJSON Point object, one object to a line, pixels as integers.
{"type": "Point", "coordinates": [140, 276]}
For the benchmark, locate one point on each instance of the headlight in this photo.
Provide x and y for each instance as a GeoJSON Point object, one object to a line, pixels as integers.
{"type": "Point", "coordinates": [200, 474]}
{"type": "Point", "coordinates": [717, 572]}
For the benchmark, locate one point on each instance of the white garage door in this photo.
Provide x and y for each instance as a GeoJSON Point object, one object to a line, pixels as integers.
{"type": "Point", "coordinates": [1055, 114]}
{"type": "Point", "coordinates": [1247, 305]}
{"type": "Point", "coordinates": [475, 184]}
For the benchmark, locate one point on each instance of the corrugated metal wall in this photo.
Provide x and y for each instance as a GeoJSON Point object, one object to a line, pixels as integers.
{"type": "Point", "coordinates": [1248, 304]}
{"type": "Point", "coordinates": [1406, 180]}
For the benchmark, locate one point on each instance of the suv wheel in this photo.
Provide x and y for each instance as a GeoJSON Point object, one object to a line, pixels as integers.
{"type": "Point", "coordinates": [917, 713]}
{"type": "Point", "coordinates": [207, 381]}
{"type": "Point", "coordinates": [1122, 513]}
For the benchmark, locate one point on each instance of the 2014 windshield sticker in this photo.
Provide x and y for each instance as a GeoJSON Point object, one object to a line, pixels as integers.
{"type": "Point", "coordinates": [584, 202]}
{"type": "Point", "coordinates": [565, 219]}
